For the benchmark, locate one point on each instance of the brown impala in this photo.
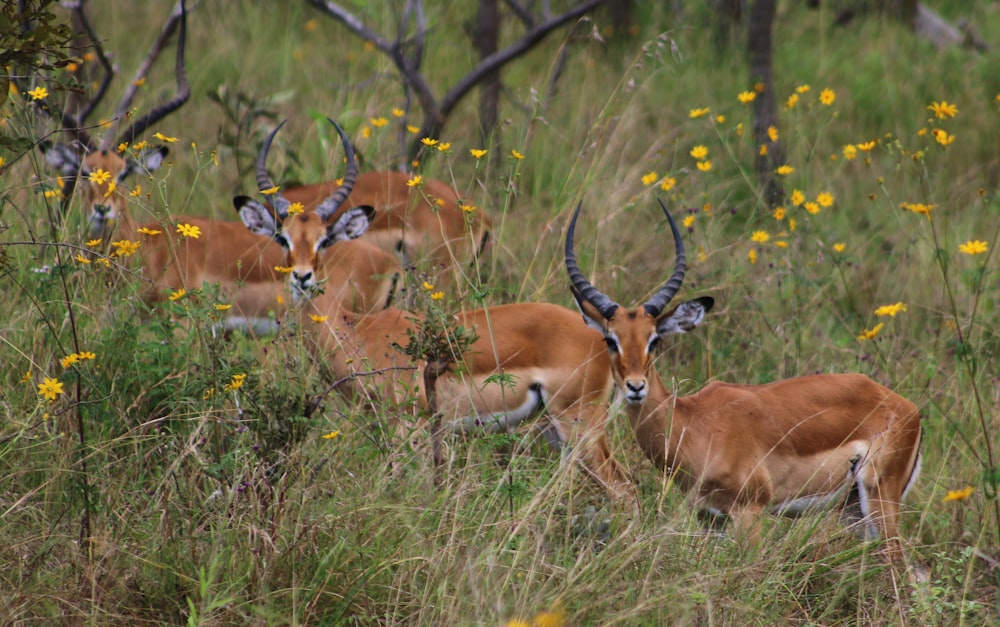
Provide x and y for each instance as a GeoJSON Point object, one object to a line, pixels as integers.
{"type": "Point", "coordinates": [783, 447]}
{"type": "Point", "coordinates": [224, 252]}
{"type": "Point", "coordinates": [550, 361]}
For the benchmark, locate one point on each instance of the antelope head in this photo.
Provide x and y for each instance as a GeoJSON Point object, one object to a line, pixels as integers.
{"type": "Point", "coordinates": [634, 335]}
{"type": "Point", "coordinates": [304, 234]}
{"type": "Point", "coordinates": [99, 168]}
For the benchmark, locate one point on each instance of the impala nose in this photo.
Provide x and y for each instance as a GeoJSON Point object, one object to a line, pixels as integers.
{"type": "Point", "coordinates": [635, 391]}
{"type": "Point", "coordinates": [302, 279]}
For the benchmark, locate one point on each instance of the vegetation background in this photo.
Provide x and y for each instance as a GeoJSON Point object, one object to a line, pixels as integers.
{"type": "Point", "coordinates": [207, 490]}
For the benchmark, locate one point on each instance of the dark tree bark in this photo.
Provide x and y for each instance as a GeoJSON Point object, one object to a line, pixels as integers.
{"type": "Point", "coordinates": [765, 107]}
{"type": "Point", "coordinates": [487, 36]}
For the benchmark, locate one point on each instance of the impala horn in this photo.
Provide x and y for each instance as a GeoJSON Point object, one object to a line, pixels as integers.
{"type": "Point", "coordinates": [654, 306]}
{"type": "Point", "coordinates": [264, 182]}
{"type": "Point", "coordinates": [607, 307]}
{"type": "Point", "coordinates": [329, 206]}
{"type": "Point", "coordinates": [581, 286]}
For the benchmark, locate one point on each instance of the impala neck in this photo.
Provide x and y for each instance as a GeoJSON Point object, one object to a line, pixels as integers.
{"type": "Point", "coordinates": [657, 430]}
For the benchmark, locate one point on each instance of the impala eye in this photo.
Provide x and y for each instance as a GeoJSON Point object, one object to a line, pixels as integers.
{"type": "Point", "coordinates": [654, 343]}
{"type": "Point", "coordinates": [282, 241]}
{"type": "Point", "coordinates": [612, 344]}
{"type": "Point", "coordinates": [326, 243]}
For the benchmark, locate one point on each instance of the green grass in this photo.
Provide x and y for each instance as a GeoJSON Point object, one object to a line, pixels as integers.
{"type": "Point", "coordinates": [229, 507]}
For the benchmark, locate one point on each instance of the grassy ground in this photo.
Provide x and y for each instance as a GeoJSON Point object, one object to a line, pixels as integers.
{"type": "Point", "coordinates": [216, 499]}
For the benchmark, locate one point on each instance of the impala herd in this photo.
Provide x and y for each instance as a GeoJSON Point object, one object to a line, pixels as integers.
{"type": "Point", "coordinates": [343, 247]}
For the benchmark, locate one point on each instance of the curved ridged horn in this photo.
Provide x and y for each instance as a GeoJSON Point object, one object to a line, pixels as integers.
{"type": "Point", "coordinates": [329, 206]}
{"type": "Point", "coordinates": [264, 182]}
{"type": "Point", "coordinates": [654, 306]}
{"type": "Point", "coordinates": [581, 285]}
{"type": "Point", "coordinates": [183, 88]}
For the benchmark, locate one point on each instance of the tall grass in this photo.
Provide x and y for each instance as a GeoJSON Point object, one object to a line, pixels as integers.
{"type": "Point", "coordinates": [182, 477]}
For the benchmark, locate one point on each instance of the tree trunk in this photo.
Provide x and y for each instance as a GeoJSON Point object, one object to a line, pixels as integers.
{"type": "Point", "coordinates": [765, 107]}
{"type": "Point", "coordinates": [487, 36]}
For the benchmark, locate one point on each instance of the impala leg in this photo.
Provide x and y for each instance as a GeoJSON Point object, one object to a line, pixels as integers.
{"type": "Point", "coordinates": [588, 433]}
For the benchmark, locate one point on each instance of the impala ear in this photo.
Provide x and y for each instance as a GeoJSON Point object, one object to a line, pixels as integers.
{"type": "Point", "coordinates": [256, 216]}
{"type": "Point", "coordinates": [153, 158]}
{"type": "Point", "coordinates": [61, 158]}
{"type": "Point", "coordinates": [591, 316]}
{"type": "Point", "coordinates": [351, 224]}
{"type": "Point", "coordinates": [685, 316]}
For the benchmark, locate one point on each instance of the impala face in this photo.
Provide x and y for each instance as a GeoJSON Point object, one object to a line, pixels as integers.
{"type": "Point", "coordinates": [99, 177]}
{"type": "Point", "coordinates": [305, 234]}
{"type": "Point", "coordinates": [634, 335]}
{"type": "Point", "coordinates": [304, 237]}
{"type": "Point", "coordinates": [95, 167]}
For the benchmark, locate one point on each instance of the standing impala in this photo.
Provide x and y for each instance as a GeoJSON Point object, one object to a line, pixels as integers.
{"type": "Point", "coordinates": [783, 447]}
{"type": "Point", "coordinates": [528, 359]}
{"type": "Point", "coordinates": [224, 252]}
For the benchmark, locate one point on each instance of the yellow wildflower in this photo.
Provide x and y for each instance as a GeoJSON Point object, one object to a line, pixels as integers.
{"type": "Point", "coordinates": [283, 269]}
{"type": "Point", "coordinates": [697, 113]}
{"type": "Point", "coordinates": [752, 255]}
{"type": "Point", "coordinates": [699, 152]}
{"type": "Point", "coordinates": [760, 237]}
{"type": "Point", "coordinates": [516, 154]}
{"type": "Point", "coordinates": [839, 247]}
{"type": "Point", "coordinates": [890, 310]}
{"type": "Point", "coordinates": [38, 93]}
{"type": "Point", "coordinates": [222, 306]}
{"type": "Point", "coordinates": [792, 101]}
{"type": "Point", "coordinates": [649, 178]}
{"type": "Point", "coordinates": [416, 181]}
{"type": "Point", "coordinates": [850, 151]}
{"type": "Point", "coordinates": [164, 138]}
{"type": "Point", "coordinates": [437, 295]}
{"type": "Point", "coordinates": [331, 435]}
{"type": "Point", "coordinates": [959, 495]}
{"type": "Point", "coordinates": [69, 360]}
{"type": "Point", "coordinates": [318, 318]}
{"type": "Point", "coordinates": [772, 133]}
{"type": "Point", "coordinates": [811, 207]}
{"type": "Point", "coordinates": [179, 294]}
{"type": "Point", "coordinates": [270, 191]}
{"type": "Point", "coordinates": [779, 213]}
{"type": "Point", "coordinates": [378, 122]}
{"type": "Point", "coordinates": [867, 146]}
{"type": "Point", "coordinates": [827, 96]}
{"type": "Point", "coordinates": [189, 230]}
{"type": "Point", "coordinates": [668, 183]}
{"type": "Point", "coordinates": [478, 153]}
{"type": "Point", "coordinates": [869, 334]}
{"type": "Point", "coordinates": [688, 221]}
{"type": "Point", "coordinates": [296, 208]}
{"type": "Point", "coordinates": [943, 109]}
{"type": "Point", "coordinates": [746, 97]}
{"type": "Point", "coordinates": [100, 176]}
{"type": "Point", "coordinates": [784, 170]}
{"type": "Point", "coordinates": [798, 197]}
{"type": "Point", "coordinates": [79, 257]}
{"type": "Point", "coordinates": [704, 166]}
{"type": "Point", "coordinates": [145, 230]}
{"type": "Point", "coordinates": [397, 112]}
{"type": "Point", "coordinates": [974, 247]}
{"type": "Point", "coordinates": [50, 389]}
{"type": "Point", "coordinates": [427, 141]}
{"type": "Point", "coordinates": [943, 137]}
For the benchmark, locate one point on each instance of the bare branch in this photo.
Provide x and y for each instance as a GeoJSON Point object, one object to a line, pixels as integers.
{"type": "Point", "coordinates": [183, 90]}
{"type": "Point", "coordinates": [432, 126]}
{"type": "Point", "coordinates": [521, 12]}
{"type": "Point", "coordinates": [80, 20]}
{"type": "Point", "coordinates": [353, 23]}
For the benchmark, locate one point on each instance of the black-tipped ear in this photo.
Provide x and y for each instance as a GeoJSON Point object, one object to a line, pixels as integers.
{"type": "Point", "coordinates": [240, 201]}
{"type": "Point", "coordinates": [369, 211]}
{"type": "Point", "coordinates": [685, 316]}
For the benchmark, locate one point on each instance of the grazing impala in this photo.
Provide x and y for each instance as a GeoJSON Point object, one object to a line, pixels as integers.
{"type": "Point", "coordinates": [782, 447]}
{"type": "Point", "coordinates": [528, 359]}
{"type": "Point", "coordinates": [223, 252]}
{"type": "Point", "coordinates": [426, 223]}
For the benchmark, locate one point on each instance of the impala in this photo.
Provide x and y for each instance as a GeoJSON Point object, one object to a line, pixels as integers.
{"type": "Point", "coordinates": [224, 252]}
{"type": "Point", "coordinates": [549, 360]}
{"type": "Point", "coordinates": [783, 447]}
{"type": "Point", "coordinates": [426, 223]}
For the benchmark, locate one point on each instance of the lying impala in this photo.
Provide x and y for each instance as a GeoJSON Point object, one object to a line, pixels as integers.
{"type": "Point", "coordinates": [425, 223]}
{"type": "Point", "coordinates": [224, 252]}
{"type": "Point", "coordinates": [782, 447]}
{"type": "Point", "coordinates": [551, 362]}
